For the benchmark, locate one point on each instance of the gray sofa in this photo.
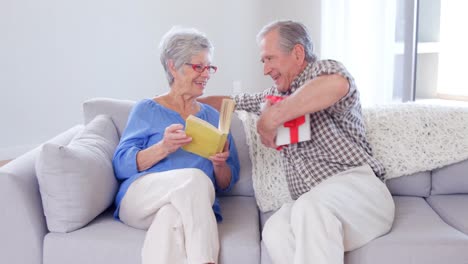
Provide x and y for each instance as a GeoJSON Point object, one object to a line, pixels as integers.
{"type": "Point", "coordinates": [431, 221]}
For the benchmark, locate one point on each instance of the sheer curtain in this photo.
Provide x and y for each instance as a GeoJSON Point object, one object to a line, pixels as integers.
{"type": "Point", "coordinates": [453, 49]}
{"type": "Point", "coordinates": [370, 38]}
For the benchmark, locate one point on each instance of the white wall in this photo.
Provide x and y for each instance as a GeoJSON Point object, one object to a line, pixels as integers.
{"type": "Point", "coordinates": [56, 54]}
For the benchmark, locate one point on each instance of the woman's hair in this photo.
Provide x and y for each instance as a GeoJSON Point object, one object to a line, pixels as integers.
{"type": "Point", "coordinates": [290, 33]}
{"type": "Point", "coordinates": [180, 45]}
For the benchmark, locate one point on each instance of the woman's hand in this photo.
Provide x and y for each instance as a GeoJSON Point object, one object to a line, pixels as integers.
{"type": "Point", "coordinates": [174, 138]}
{"type": "Point", "coordinates": [221, 169]}
{"type": "Point", "coordinates": [219, 159]}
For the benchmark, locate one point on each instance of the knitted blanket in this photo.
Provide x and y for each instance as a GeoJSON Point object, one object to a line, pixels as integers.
{"type": "Point", "coordinates": [268, 176]}
{"type": "Point", "coordinates": [410, 137]}
{"type": "Point", "coordinates": [406, 137]}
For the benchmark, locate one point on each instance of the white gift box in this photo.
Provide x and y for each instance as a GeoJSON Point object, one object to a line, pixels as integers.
{"type": "Point", "coordinates": [290, 133]}
{"type": "Point", "coordinates": [293, 131]}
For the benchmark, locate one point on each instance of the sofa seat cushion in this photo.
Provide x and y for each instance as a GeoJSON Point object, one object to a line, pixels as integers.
{"type": "Point", "coordinates": [106, 240]}
{"type": "Point", "coordinates": [418, 235]}
{"type": "Point", "coordinates": [239, 231]}
{"type": "Point", "coordinates": [452, 209]}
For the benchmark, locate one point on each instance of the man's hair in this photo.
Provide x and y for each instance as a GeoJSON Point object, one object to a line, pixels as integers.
{"type": "Point", "coordinates": [180, 45]}
{"type": "Point", "coordinates": [290, 33]}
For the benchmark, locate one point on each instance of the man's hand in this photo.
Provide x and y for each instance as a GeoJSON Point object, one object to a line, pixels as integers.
{"type": "Point", "coordinates": [266, 127]}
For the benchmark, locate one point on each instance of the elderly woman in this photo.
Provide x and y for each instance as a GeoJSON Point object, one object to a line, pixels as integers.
{"type": "Point", "coordinates": [163, 188]}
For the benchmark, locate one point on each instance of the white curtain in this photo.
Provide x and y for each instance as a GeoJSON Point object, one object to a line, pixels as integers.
{"type": "Point", "coordinates": [453, 53]}
{"type": "Point", "coordinates": [364, 35]}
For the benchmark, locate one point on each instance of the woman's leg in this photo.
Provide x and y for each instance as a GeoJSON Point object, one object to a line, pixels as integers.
{"type": "Point", "coordinates": [194, 203]}
{"type": "Point", "coordinates": [191, 193]}
{"type": "Point", "coordinates": [164, 241]}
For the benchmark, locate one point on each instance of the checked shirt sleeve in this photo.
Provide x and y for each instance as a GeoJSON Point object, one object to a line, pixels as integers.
{"type": "Point", "coordinates": [252, 102]}
{"type": "Point", "coordinates": [346, 103]}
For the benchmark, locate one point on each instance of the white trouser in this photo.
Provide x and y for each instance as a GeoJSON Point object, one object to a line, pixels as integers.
{"type": "Point", "coordinates": [342, 213]}
{"type": "Point", "coordinates": [176, 208]}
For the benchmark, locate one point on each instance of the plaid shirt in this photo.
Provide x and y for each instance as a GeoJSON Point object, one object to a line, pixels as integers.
{"type": "Point", "coordinates": [338, 136]}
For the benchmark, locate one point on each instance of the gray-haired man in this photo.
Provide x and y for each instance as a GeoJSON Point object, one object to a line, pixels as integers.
{"type": "Point", "coordinates": [340, 204]}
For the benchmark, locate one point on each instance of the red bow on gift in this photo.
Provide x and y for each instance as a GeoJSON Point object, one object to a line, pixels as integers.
{"type": "Point", "coordinates": [293, 125]}
{"type": "Point", "coordinates": [294, 128]}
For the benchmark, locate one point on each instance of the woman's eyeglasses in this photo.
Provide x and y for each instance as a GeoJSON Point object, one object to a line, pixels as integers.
{"type": "Point", "coordinates": [201, 68]}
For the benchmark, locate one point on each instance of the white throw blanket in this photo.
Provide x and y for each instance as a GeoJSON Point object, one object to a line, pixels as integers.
{"type": "Point", "coordinates": [268, 177]}
{"type": "Point", "coordinates": [410, 137]}
{"type": "Point", "coordinates": [407, 138]}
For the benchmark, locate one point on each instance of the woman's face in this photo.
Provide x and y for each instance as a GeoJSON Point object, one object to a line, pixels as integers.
{"type": "Point", "coordinates": [188, 81]}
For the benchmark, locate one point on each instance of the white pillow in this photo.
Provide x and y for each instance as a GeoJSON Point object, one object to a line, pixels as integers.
{"type": "Point", "coordinates": [77, 181]}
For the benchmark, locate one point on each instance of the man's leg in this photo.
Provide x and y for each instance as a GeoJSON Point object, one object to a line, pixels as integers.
{"type": "Point", "coordinates": [341, 214]}
{"type": "Point", "coordinates": [278, 236]}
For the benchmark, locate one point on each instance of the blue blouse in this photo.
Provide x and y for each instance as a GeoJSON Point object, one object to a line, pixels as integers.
{"type": "Point", "coordinates": [145, 127]}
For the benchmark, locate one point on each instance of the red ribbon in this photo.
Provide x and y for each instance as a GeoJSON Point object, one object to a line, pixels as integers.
{"type": "Point", "coordinates": [294, 128]}
{"type": "Point", "coordinates": [293, 125]}
{"type": "Point", "coordinates": [274, 99]}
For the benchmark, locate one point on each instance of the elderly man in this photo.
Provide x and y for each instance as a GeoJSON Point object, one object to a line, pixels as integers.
{"type": "Point", "coordinates": [340, 203]}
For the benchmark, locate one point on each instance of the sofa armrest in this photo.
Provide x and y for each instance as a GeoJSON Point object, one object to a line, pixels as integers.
{"type": "Point", "coordinates": [23, 225]}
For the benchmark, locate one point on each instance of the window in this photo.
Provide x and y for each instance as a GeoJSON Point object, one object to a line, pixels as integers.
{"type": "Point", "coordinates": [376, 42]}
{"type": "Point", "coordinates": [399, 50]}
{"type": "Point", "coordinates": [442, 50]}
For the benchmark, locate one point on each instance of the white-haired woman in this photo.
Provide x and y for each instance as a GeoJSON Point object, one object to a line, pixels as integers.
{"type": "Point", "coordinates": [163, 188]}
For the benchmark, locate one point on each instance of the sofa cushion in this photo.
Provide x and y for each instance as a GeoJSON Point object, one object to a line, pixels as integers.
{"type": "Point", "coordinates": [452, 209]}
{"type": "Point", "coordinates": [106, 240]}
{"type": "Point", "coordinates": [244, 186]}
{"type": "Point", "coordinates": [239, 231]}
{"type": "Point", "coordinates": [450, 179]}
{"type": "Point", "coordinates": [265, 216]}
{"type": "Point", "coordinates": [76, 181]}
{"type": "Point", "coordinates": [119, 110]}
{"type": "Point", "coordinates": [418, 184]}
{"type": "Point", "coordinates": [418, 235]}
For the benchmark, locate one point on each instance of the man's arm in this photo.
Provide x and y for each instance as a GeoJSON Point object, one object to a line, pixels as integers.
{"type": "Point", "coordinates": [315, 95]}
{"type": "Point", "coordinates": [214, 101]}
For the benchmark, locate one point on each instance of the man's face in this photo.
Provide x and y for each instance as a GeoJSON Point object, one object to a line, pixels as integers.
{"type": "Point", "coordinates": [282, 67]}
